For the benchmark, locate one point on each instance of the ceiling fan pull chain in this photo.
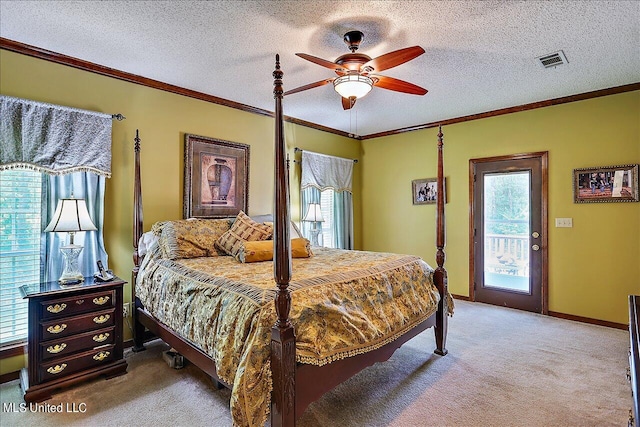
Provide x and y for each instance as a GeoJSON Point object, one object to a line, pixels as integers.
{"type": "Point", "coordinates": [356, 132]}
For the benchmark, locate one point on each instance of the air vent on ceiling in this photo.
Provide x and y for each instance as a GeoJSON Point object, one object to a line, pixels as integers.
{"type": "Point", "coordinates": [553, 59]}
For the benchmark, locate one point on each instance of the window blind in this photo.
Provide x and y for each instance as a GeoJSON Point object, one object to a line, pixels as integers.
{"type": "Point", "coordinates": [326, 207]}
{"type": "Point", "coordinates": [20, 231]}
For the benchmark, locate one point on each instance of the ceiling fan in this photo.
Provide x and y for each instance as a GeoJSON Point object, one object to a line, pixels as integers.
{"type": "Point", "coordinates": [355, 71]}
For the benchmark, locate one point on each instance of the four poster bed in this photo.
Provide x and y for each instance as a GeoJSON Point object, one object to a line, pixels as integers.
{"type": "Point", "coordinates": [331, 314]}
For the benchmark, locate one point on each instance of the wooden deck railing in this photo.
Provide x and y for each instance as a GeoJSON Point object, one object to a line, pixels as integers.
{"type": "Point", "coordinates": [507, 254]}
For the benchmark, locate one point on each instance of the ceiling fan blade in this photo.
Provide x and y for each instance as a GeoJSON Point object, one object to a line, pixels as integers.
{"type": "Point", "coordinates": [348, 103]}
{"type": "Point", "coordinates": [320, 61]}
{"type": "Point", "coordinates": [309, 86]}
{"type": "Point", "coordinates": [392, 59]}
{"type": "Point", "coordinates": [397, 85]}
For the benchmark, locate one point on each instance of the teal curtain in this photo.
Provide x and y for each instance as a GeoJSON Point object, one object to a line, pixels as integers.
{"type": "Point", "coordinates": [343, 219]}
{"type": "Point", "coordinates": [80, 185]}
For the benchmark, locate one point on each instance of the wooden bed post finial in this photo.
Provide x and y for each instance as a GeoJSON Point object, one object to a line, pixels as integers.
{"type": "Point", "coordinates": [283, 340]}
{"type": "Point", "coordinates": [277, 80]}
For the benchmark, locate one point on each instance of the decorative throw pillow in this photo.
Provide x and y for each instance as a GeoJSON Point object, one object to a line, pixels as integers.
{"type": "Point", "coordinates": [190, 238]}
{"type": "Point", "coordinates": [294, 231]}
{"type": "Point", "coordinates": [263, 250]}
{"type": "Point", "coordinates": [244, 229]}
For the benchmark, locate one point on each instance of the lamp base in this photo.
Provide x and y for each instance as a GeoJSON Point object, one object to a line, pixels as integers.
{"type": "Point", "coordinates": [71, 274]}
{"type": "Point", "coordinates": [314, 237]}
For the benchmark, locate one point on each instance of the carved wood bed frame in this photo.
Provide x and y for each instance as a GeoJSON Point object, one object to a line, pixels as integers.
{"type": "Point", "coordinates": [295, 385]}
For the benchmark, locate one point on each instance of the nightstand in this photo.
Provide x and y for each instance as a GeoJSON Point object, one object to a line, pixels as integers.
{"type": "Point", "coordinates": [75, 333]}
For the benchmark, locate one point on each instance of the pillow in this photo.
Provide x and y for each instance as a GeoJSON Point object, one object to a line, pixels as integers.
{"type": "Point", "coordinates": [294, 231]}
{"type": "Point", "coordinates": [190, 238]}
{"type": "Point", "coordinates": [263, 250]}
{"type": "Point", "coordinates": [244, 229]}
{"type": "Point", "coordinates": [147, 240]}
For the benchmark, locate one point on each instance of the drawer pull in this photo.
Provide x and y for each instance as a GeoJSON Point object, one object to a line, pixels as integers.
{"type": "Point", "coordinates": [101, 300]}
{"type": "Point", "coordinates": [80, 301]}
{"type": "Point", "coordinates": [57, 328]}
{"type": "Point", "coordinates": [56, 369]}
{"type": "Point", "coordinates": [101, 337]}
{"type": "Point", "coordinates": [56, 348]}
{"type": "Point", "coordinates": [56, 308]}
{"type": "Point", "coordinates": [101, 319]}
{"type": "Point", "coordinates": [101, 356]}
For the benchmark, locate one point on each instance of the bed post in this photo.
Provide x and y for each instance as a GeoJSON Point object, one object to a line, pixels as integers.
{"type": "Point", "coordinates": [440, 275]}
{"type": "Point", "coordinates": [138, 328]}
{"type": "Point", "coordinates": [283, 340]}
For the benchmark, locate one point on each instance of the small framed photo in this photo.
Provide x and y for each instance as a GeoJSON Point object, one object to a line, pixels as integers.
{"type": "Point", "coordinates": [216, 177]}
{"type": "Point", "coordinates": [425, 191]}
{"type": "Point", "coordinates": [606, 184]}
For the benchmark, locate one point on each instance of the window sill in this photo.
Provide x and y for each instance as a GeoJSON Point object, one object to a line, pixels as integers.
{"type": "Point", "coordinates": [11, 350]}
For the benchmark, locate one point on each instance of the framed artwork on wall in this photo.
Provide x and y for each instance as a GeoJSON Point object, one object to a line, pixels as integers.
{"type": "Point", "coordinates": [216, 177]}
{"type": "Point", "coordinates": [425, 191]}
{"type": "Point", "coordinates": [606, 184]}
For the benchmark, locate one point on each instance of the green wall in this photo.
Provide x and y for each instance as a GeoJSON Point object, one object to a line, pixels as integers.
{"type": "Point", "coordinates": [592, 266]}
{"type": "Point", "coordinates": [163, 119]}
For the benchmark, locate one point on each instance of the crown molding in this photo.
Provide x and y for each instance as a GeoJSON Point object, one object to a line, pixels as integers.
{"type": "Point", "coordinates": [58, 58]}
{"type": "Point", "coordinates": [80, 64]}
{"type": "Point", "coordinates": [541, 104]}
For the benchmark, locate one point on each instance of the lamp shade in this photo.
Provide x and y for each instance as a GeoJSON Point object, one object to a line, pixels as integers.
{"type": "Point", "coordinates": [314, 214]}
{"type": "Point", "coordinates": [71, 215]}
{"type": "Point", "coordinates": [353, 86]}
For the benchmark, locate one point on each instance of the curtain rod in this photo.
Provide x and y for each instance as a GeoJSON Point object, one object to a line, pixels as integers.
{"type": "Point", "coordinates": [296, 149]}
{"type": "Point", "coordinates": [116, 116]}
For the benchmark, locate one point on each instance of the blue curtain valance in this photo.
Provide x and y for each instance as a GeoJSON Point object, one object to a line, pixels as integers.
{"type": "Point", "coordinates": [53, 139]}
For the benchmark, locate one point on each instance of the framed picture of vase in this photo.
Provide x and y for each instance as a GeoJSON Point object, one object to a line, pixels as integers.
{"type": "Point", "coordinates": [216, 177]}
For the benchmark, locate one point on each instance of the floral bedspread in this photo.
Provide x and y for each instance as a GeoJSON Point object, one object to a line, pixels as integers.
{"type": "Point", "coordinates": [344, 303]}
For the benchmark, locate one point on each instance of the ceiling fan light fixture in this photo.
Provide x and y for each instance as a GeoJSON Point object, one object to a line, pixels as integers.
{"type": "Point", "coordinates": [353, 86]}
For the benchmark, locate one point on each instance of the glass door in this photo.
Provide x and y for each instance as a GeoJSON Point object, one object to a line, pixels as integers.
{"type": "Point", "coordinates": [508, 250]}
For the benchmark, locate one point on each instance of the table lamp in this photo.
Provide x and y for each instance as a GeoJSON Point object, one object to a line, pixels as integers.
{"type": "Point", "coordinates": [71, 216]}
{"type": "Point", "coordinates": [314, 215]}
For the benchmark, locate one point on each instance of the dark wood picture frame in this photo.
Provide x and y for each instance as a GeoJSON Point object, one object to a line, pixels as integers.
{"type": "Point", "coordinates": [216, 177]}
{"type": "Point", "coordinates": [605, 184]}
{"type": "Point", "coordinates": [425, 191]}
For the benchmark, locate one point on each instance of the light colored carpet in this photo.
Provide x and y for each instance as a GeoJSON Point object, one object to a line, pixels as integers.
{"type": "Point", "coordinates": [504, 368]}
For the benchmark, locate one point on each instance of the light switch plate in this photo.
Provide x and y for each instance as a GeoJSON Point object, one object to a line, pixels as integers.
{"type": "Point", "coordinates": [564, 222]}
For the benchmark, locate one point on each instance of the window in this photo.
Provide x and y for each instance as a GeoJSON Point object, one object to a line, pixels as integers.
{"type": "Point", "coordinates": [20, 231]}
{"type": "Point", "coordinates": [326, 206]}
{"type": "Point", "coordinates": [27, 198]}
{"type": "Point", "coordinates": [326, 180]}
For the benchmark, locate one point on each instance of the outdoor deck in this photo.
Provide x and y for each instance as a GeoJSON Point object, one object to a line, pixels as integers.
{"type": "Point", "coordinates": [507, 262]}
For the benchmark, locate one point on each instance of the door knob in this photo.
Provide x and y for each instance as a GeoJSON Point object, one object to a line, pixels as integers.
{"type": "Point", "coordinates": [535, 234]}
{"type": "Point", "coordinates": [535, 247]}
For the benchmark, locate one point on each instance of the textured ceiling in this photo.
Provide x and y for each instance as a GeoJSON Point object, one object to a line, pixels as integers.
{"type": "Point", "coordinates": [480, 55]}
